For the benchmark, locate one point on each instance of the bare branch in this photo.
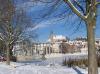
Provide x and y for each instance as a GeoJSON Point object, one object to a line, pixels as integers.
{"type": "Point", "coordinates": [78, 4]}
{"type": "Point", "coordinates": [75, 10]}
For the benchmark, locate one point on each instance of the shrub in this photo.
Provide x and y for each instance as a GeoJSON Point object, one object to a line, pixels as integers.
{"type": "Point", "coordinates": [43, 57]}
{"type": "Point", "coordinates": [13, 58]}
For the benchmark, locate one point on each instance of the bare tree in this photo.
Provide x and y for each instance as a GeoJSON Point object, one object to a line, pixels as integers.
{"type": "Point", "coordinates": [86, 10]}
{"type": "Point", "coordinates": [13, 25]}
{"type": "Point", "coordinates": [89, 16]}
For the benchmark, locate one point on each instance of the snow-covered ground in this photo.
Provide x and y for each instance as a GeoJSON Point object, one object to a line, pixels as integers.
{"type": "Point", "coordinates": [52, 65]}
{"type": "Point", "coordinates": [16, 68]}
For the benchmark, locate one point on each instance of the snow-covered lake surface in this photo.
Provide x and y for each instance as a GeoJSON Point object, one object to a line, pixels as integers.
{"type": "Point", "coordinates": [52, 65]}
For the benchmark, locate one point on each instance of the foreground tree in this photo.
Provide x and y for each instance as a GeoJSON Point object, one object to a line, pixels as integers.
{"type": "Point", "coordinates": [89, 17]}
{"type": "Point", "coordinates": [13, 24]}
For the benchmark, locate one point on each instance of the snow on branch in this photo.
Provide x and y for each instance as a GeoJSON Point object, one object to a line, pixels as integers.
{"type": "Point", "coordinates": [75, 10]}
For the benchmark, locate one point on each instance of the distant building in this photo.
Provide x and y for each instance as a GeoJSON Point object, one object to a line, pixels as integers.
{"type": "Point", "coordinates": [54, 44]}
{"type": "Point", "coordinates": [56, 41]}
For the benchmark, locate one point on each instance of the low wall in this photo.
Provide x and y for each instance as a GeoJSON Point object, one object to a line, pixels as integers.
{"type": "Point", "coordinates": [27, 58]}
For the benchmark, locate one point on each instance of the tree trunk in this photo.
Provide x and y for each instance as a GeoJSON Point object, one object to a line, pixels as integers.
{"type": "Point", "coordinates": [11, 48]}
{"type": "Point", "coordinates": [92, 58]}
{"type": "Point", "coordinates": [8, 55]}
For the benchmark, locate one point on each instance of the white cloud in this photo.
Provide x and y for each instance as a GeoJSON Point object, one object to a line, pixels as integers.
{"type": "Point", "coordinates": [36, 27]}
{"type": "Point", "coordinates": [44, 24]}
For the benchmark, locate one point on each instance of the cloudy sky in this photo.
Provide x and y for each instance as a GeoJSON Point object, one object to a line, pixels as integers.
{"type": "Point", "coordinates": [58, 19]}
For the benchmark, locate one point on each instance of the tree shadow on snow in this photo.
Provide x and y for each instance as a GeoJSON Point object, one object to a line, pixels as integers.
{"type": "Point", "coordinates": [78, 71]}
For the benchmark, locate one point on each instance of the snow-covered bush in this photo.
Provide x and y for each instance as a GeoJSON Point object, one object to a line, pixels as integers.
{"type": "Point", "coordinates": [43, 57]}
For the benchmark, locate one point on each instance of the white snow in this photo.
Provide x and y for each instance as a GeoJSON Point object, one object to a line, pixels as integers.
{"type": "Point", "coordinates": [33, 69]}
{"type": "Point", "coordinates": [52, 65]}
{"type": "Point", "coordinates": [57, 37]}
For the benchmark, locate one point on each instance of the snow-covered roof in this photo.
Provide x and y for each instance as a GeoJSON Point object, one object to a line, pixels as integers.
{"type": "Point", "coordinates": [57, 38]}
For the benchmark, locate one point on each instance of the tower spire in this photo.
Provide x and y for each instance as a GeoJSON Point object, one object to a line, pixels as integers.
{"type": "Point", "coordinates": [51, 37]}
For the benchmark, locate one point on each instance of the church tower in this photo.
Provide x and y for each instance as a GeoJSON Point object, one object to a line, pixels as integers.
{"type": "Point", "coordinates": [51, 37]}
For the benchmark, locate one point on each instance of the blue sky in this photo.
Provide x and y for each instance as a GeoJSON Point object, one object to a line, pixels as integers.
{"type": "Point", "coordinates": [45, 24]}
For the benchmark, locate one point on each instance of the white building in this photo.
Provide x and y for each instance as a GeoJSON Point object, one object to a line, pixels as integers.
{"type": "Point", "coordinates": [53, 45]}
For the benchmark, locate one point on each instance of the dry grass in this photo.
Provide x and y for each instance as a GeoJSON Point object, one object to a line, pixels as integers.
{"type": "Point", "coordinates": [78, 62]}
